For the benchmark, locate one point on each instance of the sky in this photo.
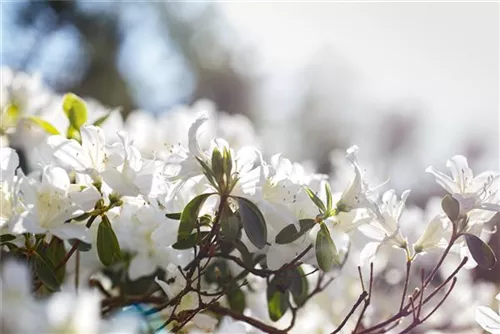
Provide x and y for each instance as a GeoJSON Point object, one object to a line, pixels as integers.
{"type": "Point", "coordinates": [441, 57]}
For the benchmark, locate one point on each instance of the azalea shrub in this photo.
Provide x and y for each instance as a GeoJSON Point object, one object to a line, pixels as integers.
{"type": "Point", "coordinates": [185, 223]}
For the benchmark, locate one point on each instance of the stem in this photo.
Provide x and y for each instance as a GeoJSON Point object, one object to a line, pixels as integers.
{"type": "Point", "coordinates": [367, 300]}
{"type": "Point", "coordinates": [405, 288]}
{"type": "Point", "coordinates": [77, 271]}
{"type": "Point", "coordinates": [405, 311]}
{"type": "Point", "coordinates": [354, 307]}
{"type": "Point", "coordinates": [238, 316]}
{"type": "Point", "coordinates": [68, 255]}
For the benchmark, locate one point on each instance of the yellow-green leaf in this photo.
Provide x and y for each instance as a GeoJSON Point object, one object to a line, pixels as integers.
{"type": "Point", "coordinates": [46, 126]}
{"type": "Point", "coordinates": [75, 109]}
{"type": "Point", "coordinates": [101, 120]}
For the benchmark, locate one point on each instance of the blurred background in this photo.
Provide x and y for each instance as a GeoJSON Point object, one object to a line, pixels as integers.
{"type": "Point", "coordinates": [410, 83]}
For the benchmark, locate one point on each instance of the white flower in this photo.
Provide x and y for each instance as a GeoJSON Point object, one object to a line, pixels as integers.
{"type": "Point", "coordinates": [52, 202]}
{"type": "Point", "coordinates": [22, 94]}
{"type": "Point", "coordinates": [488, 319]}
{"type": "Point", "coordinates": [17, 304]}
{"type": "Point", "coordinates": [93, 156]}
{"type": "Point", "coordinates": [9, 162]}
{"type": "Point", "coordinates": [358, 194]}
{"type": "Point", "coordinates": [384, 227]}
{"type": "Point", "coordinates": [148, 235]}
{"type": "Point", "coordinates": [135, 175]}
{"type": "Point", "coordinates": [434, 235]}
{"type": "Point", "coordinates": [478, 192]}
{"type": "Point", "coordinates": [70, 313]}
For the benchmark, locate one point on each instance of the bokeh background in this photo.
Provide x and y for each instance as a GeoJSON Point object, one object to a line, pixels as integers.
{"type": "Point", "coordinates": [410, 83]}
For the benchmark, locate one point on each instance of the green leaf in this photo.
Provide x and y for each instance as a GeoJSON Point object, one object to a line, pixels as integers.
{"type": "Point", "coordinates": [83, 216]}
{"type": "Point", "coordinates": [326, 252]}
{"type": "Point", "coordinates": [230, 225]}
{"type": "Point", "coordinates": [46, 126]}
{"type": "Point", "coordinates": [55, 253]}
{"type": "Point", "coordinates": [277, 300]}
{"type": "Point", "coordinates": [189, 242]}
{"type": "Point", "coordinates": [82, 246]}
{"type": "Point", "coordinates": [45, 273]}
{"type": "Point", "coordinates": [75, 110]}
{"type": "Point", "coordinates": [236, 299]}
{"type": "Point", "coordinates": [300, 286]}
{"type": "Point", "coordinates": [328, 191]}
{"type": "Point", "coordinates": [316, 200]}
{"type": "Point", "coordinates": [227, 163]}
{"type": "Point", "coordinates": [189, 216]}
{"type": "Point", "coordinates": [4, 238]}
{"type": "Point", "coordinates": [12, 247]}
{"type": "Point", "coordinates": [246, 256]}
{"type": "Point", "coordinates": [174, 216]}
{"type": "Point", "coordinates": [108, 247]}
{"type": "Point", "coordinates": [208, 173]}
{"type": "Point", "coordinates": [480, 251]}
{"type": "Point", "coordinates": [217, 165]}
{"type": "Point", "coordinates": [290, 234]}
{"type": "Point", "coordinates": [451, 207]}
{"type": "Point", "coordinates": [253, 222]}
{"type": "Point", "coordinates": [100, 121]}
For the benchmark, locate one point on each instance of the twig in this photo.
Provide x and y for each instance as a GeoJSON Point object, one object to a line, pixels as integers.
{"type": "Point", "coordinates": [405, 288]}
{"type": "Point", "coordinates": [367, 300]}
{"type": "Point", "coordinates": [361, 297]}
{"type": "Point", "coordinates": [238, 316]}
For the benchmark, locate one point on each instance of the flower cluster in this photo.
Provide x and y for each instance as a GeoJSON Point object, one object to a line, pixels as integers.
{"type": "Point", "coordinates": [184, 218]}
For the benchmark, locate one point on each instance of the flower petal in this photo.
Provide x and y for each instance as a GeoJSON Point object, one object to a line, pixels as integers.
{"type": "Point", "coordinates": [444, 180]}
{"type": "Point", "coordinates": [69, 153]}
{"type": "Point", "coordinates": [460, 171]}
{"type": "Point", "coordinates": [71, 231]}
{"type": "Point", "coordinates": [9, 161]}
{"type": "Point", "coordinates": [140, 266]}
{"type": "Point", "coordinates": [488, 319]}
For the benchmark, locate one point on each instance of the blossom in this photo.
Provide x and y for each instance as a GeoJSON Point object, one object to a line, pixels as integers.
{"type": "Point", "coordinates": [135, 175]}
{"type": "Point", "coordinates": [471, 192]}
{"type": "Point", "coordinates": [357, 194]}
{"type": "Point", "coordinates": [433, 236]}
{"type": "Point", "coordinates": [384, 227]}
{"type": "Point", "coordinates": [93, 156]}
{"type": "Point", "coordinates": [9, 162]}
{"type": "Point", "coordinates": [49, 204]}
{"type": "Point", "coordinates": [22, 94]}
{"type": "Point", "coordinates": [488, 319]}
{"type": "Point", "coordinates": [148, 235]}
{"type": "Point", "coordinates": [16, 299]}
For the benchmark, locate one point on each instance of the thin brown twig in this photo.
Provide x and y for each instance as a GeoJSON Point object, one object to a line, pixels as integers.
{"type": "Point", "coordinates": [367, 300]}
{"type": "Point", "coordinates": [405, 288]}
{"type": "Point", "coordinates": [361, 297]}
{"type": "Point", "coordinates": [238, 316]}
{"type": "Point", "coordinates": [420, 302]}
